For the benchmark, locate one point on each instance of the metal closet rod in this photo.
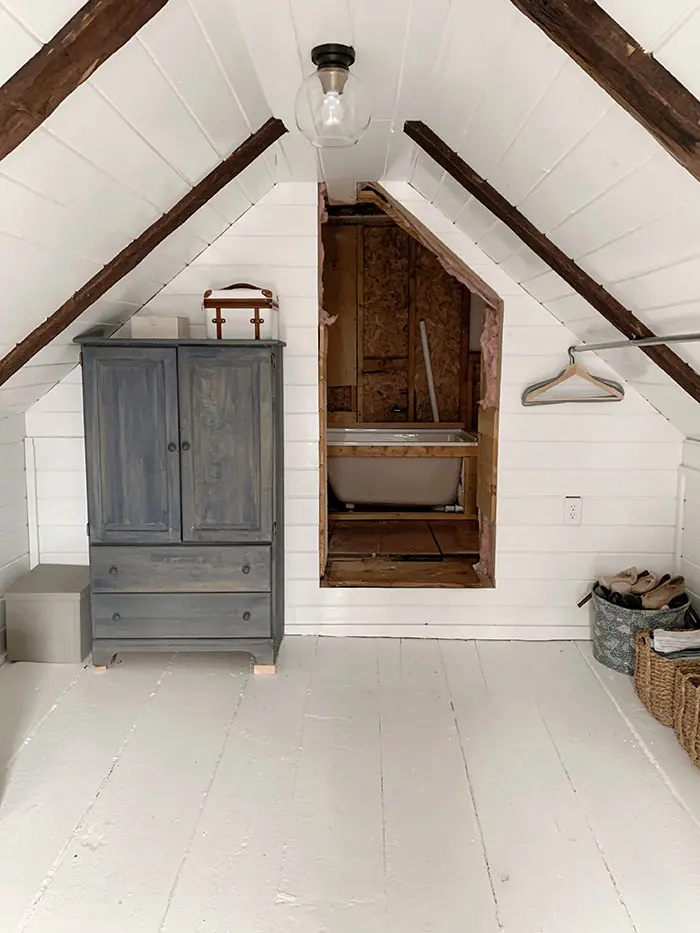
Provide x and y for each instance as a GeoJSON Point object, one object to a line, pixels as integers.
{"type": "Point", "coordinates": [641, 342]}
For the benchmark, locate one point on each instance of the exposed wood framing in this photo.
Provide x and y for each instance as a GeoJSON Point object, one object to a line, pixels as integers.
{"type": "Point", "coordinates": [97, 30]}
{"type": "Point", "coordinates": [360, 322]}
{"type": "Point", "coordinates": [368, 516]}
{"type": "Point", "coordinates": [137, 251]}
{"type": "Point", "coordinates": [451, 573]}
{"type": "Point", "coordinates": [635, 79]}
{"type": "Point", "coordinates": [322, 449]}
{"type": "Point", "coordinates": [600, 299]}
{"type": "Point", "coordinates": [411, 415]}
{"type": "Point", "coordinates": [464, 357]}
{"type": "Point", "coordinates": [401, 450]}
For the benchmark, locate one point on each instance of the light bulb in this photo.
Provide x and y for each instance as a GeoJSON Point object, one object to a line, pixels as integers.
{"type": "Point", "coordinates": [331, 113]}
{"type": "Point", "coordinates": [331, 109]}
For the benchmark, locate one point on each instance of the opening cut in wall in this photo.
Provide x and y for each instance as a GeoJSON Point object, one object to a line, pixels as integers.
{"type": "Point", "coordinates": [408, 426]}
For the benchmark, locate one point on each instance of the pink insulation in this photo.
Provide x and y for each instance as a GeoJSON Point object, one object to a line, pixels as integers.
{"type": "Point", "coordinates": [489, 358]}
{"type": "Point", "coordinates": [323, 316]}
{"type": "Point", "coordinates": [485, 566]}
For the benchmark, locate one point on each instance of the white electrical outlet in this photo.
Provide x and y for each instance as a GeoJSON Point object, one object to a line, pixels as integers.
{"type": "Point", "coordinates": [572, 510]}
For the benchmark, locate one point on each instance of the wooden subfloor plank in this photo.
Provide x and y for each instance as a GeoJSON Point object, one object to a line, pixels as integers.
{"type": "Point", "coordinates": [123, 859]}
{"type": "Point", "coordinates": [456, 538]}
{"type": "Point", "coordinates": [353, 540]}
{"type": "Point", "coordinates": [546, 866]}
{"type": "Point", "coordinates": [380, 572]}
{"type": "Point", "coordinates": [383, 539]}
{"type": "Point", "coordinates": [56, 777]}
{"type": "Point", "coordinates": [406, 539]}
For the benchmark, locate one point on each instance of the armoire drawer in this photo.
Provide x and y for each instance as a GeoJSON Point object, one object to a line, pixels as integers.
{"type": "Point", "coordinates": [215, 615]}
{"type": "Point", "coordinates": [180, 569]}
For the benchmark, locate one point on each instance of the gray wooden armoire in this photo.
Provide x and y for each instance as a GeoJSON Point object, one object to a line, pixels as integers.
{"type": "Point", "coordinates": [184, 451]}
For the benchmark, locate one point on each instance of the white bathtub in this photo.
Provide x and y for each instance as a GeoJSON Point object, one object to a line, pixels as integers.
{"type": "Point", "coordinates": [390, 466]}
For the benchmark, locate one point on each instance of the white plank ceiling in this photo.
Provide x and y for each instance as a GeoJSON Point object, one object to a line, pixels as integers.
{"type": "Point", "coordinates": [203, 73]}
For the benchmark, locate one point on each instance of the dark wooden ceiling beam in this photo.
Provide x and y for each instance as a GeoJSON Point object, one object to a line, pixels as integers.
{"type": "Point", "coordinates": [620, 66]}
{"type": "Point", "coordinates": [97, 30]}
{"type": "Point", "coordinates": [600, 299]}
{"type": "Point", "coordinates": [135, 252]}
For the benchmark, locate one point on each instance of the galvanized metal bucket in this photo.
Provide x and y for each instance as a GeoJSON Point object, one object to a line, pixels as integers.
{"type": "Point", "coordinates": [614, 630]}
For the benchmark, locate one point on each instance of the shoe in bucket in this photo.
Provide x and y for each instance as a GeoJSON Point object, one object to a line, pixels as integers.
{"type": "Point", "coordinates": [621, 582]}
{"type": "Point", "coordinates": [662, 595]}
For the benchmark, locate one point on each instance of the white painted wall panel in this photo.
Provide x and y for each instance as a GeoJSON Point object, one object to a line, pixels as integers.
{"type": "Point", "coordinates": [14, 539]}
{"type": "Point", "coordinates": [622, 459]}
{"type": "Point", "coordinates": [690, 535]}
{"type": "Point", "coordinates": [180, 49]}
{"type": "Point", "coordinates": [17, 45]}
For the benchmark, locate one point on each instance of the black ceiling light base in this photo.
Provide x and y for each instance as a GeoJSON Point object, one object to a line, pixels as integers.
{"type": "Point", "coordinates": [333, 55]}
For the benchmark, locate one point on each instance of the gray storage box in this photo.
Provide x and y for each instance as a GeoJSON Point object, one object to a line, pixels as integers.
{"type": "Point", "coordinates": [48, 615]}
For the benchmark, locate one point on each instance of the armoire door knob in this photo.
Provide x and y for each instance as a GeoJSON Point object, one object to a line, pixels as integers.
{"type": "Point", "coordinates": [172, 448]}
{"type": "Point", "coordinates": [185, 445]}
{"type": "Point", "coordinates": [114, 571]}
{"type": "Point", "coordinates": [246, 568]}
{"type": "Point", "coordinates": [246, 616]}
{"type": "Point", "coordinates": [116, 617]}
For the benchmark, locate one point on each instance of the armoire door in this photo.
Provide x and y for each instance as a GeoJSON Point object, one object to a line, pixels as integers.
{"type": "Point", "coordinates": [226, 429]}
{"type": "Point", "coordinates": [132, 442]}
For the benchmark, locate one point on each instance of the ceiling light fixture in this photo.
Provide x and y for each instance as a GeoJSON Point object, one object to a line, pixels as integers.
{"type": "Point", "coordinates": [331, 109]}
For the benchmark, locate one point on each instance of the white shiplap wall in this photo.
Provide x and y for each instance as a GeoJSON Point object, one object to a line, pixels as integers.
{"type": "Point", "coordinates": [690, 535]}
{"type": "Point", "coordinates": [622, 459]}
{"type": "Point", "coordinates": [120, 151]}
{"type": "Point", "coordinates": [14, 542]}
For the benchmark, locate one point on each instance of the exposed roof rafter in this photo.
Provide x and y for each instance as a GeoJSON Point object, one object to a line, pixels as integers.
{"type": "Point", "coordinates": [617, 62]}
{"type": "Point", "coordinates": [600, 299]}
{"type": "Point", "coordinates": [137, 251]}
{"type": "Point", "coordinates": [98, 30]}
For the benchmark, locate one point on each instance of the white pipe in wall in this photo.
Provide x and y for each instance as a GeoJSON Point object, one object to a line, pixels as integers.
{"type": "Point", "coordinates": [428, 370]}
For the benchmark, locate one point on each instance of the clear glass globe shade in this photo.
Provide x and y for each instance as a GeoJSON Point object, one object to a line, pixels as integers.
{"type": "Point", "coordinates": [331, 109]}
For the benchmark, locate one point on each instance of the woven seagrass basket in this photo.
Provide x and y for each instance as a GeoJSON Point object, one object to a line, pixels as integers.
{"type": "Point", "coordinates": [655, 678]}
{"type": "Point", "coordinates": [686, 718]}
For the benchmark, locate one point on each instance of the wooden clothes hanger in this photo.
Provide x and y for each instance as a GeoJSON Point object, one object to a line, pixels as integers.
{"type": "Point", "coordinates": [608, 391]}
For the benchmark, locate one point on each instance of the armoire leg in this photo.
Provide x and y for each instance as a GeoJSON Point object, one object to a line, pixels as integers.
{"type": "Point", "coordinates": [264, 660]}
{"type": "Point", "coordinates": [101, 656]}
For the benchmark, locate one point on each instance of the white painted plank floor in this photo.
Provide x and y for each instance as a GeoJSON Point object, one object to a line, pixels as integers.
{"type": "Point", "coordinates": [401, 786]}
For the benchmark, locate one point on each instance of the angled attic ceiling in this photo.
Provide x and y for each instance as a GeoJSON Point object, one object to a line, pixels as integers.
{"type": "Point", "coordinates": [202, 74]}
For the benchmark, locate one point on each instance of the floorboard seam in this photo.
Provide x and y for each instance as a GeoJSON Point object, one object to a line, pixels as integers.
{"type": "Point", "coordinates": [43, 887]}
{"type": "Point", "coordinates": [586, 820]}
{"type": "Point", "coordinates": [283, 896]}
{"type": "Point", "coordinates": [642, 744]}
{"type": "Point", "coordinates": [489, 873]}
{"type": "Point", "coordinates": [40, 722]}
{"type": "Point", "coordinates": [381, 778]}
{"type": "Point", "coordinates": [203, 802]}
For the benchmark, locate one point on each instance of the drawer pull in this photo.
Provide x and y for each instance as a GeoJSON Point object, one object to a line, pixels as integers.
{"type": "Point", "coordinates": [114, 571]}
{"type": "Point", "coordinates": [185, 445]}
{"type": "Point", "coordinates": [116, 617]}
{"type": "Point", "coordinates": [246, 568]}
{"type": "Point", "coordinates": [172, 448]}
{"type": "Point", "coordinates": [246, 616]}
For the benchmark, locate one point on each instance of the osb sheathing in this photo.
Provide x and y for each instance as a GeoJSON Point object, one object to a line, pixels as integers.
{"type": "Point", "coordinates": [383, 392]}
{"type": "Point", "coordinates": [439, 304]}
{"type": "Point", "coordinates": [340, 398]}
{"type": "Point", "coordinates": [385, 292]}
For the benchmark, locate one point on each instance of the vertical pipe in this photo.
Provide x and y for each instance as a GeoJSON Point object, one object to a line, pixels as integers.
{"type": "Point", "coordinates": [428, 370]}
